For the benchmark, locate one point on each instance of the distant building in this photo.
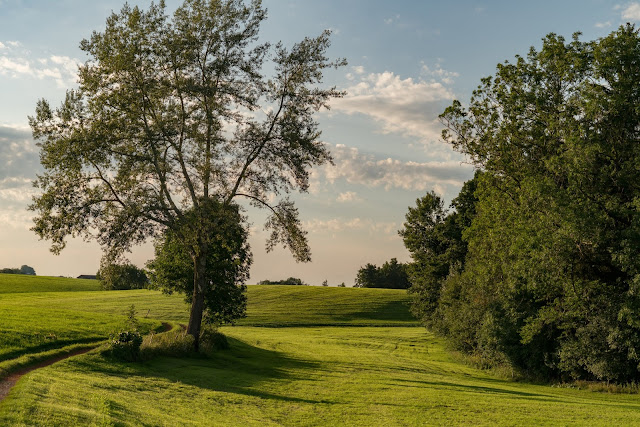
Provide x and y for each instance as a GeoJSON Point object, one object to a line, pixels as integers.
{"type": "Point", "coordinates": [87, 276]}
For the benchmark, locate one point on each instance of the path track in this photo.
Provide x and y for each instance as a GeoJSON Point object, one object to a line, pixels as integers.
{"type": "Point", "coordinates": [7, 383]}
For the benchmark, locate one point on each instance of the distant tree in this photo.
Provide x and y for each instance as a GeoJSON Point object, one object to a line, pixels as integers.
{"type": "Point", "coordinates": [391, 275]}
{"type": "Point", "coordinates": [325, 283]}
{"type": "Point", "coordinates": [174, 117]}
{"type": "Point", "coordinates": [368, 277]}
{"type": "Point", "coordinates": [342, 285]}
{"type": "Point", "coordinates": [25, 269]}
{"type": "Point", "coordinates": [291, 281]}
{"type": "Point", "coordinates": [121, 277]}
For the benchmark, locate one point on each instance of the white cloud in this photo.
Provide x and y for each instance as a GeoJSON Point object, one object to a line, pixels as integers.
{"type": "Point", "coordinates": [19, 64]}
{"type": "Point", "coordinates": [631, 11]}
{"type": "Point", "coordinates": [603, 24]}
{"type": "Point", "coordinates": [20, 163]}
{"type": "Point", "coordinates": [16, 219]}
{"type": "Point", "coordinates": [18, 195]}
{"type": "Point", "coordinates": [438, 73]}
{"type": "Point", "coordinates": [14, 43]}
{"type": "Point", "coordinates": [14, 67]}
{"type": "Point", "coordinates": [335, 225]}
{"type": "Point", "coordinates": [349, 196]}
{"type": "Point", "coordinates": [405, 106]}
{"type": "Point", "coordinates": [392, 19]}
{"type": "Point", "coordinates": [2, 46]}
{"type": "Point", "coordinates": [359, 168]}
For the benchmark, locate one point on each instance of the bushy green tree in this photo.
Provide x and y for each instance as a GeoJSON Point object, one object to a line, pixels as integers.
{"type": "Point", "coordinates": [551, 279]}
{"type": "Point", "coordinates": [25, 269]}
{"type": "Point", "coordinates": [121, 277]}
{"type": "Point", "coordinates": [174, 115]}
{"type": "Point", "coordinates": [434, 237]}
{"type": "Point", "coordinates": [391, 275]}
{"type": "Point", "coordinates": [228, 262]}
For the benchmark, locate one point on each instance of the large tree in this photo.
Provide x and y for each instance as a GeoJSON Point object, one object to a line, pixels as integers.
{"type": "Point", "coordinates": [174, 119]}
{"type": "Point", "coordinates": [551, 279]}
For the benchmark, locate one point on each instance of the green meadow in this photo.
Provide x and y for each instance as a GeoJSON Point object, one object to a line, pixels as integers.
{"type": "Point", "coordinates": [303, 356]}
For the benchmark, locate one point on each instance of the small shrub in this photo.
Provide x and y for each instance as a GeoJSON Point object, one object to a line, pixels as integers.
{"type": "Point", "coordinates": [177, 343]}
{"type": "Point", "coordinates": [125, 346]}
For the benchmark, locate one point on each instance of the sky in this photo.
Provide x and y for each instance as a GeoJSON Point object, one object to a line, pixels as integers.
{"type": "Point", "coordinates": [407, 61]}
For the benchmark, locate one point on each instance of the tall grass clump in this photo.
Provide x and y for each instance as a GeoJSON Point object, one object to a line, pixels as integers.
{"type": "Point", "coordinates": [177, 343]}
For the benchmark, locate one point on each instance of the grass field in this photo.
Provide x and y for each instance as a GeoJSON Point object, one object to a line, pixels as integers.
{"type": "Point", "coordinates": [16, 283]}
{"type": "Point", "coordinates": [338, 357]}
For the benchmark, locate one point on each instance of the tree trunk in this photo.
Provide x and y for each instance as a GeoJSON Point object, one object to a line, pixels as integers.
{"type": "Point", "coordinates": [197, 300]}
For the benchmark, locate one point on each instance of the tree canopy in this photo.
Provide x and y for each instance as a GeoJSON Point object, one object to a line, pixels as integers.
{"type": "Point", "coordinates": [391, 275]}
{"type": "Point", "coordinates": [433, 237]}
{"type": "Point", "coordinates": [227, 267]}
{"type": "Point", "coordinates": [174, 117]}
{"type": "Point", "coordinates": [121, 277]}
{"type": "Point", "coordinates": [550, 278]}
{"type": "Point", "coordinates": [25, 269]}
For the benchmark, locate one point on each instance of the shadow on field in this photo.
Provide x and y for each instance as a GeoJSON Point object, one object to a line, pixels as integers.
{"type": "Point", "coordinates": [236, 370]}
{"type": "Point", "coordinates": [390, 310]}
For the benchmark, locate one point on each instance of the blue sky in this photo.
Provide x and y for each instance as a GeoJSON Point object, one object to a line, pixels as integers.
{"type": "Point", "coordinates": [407, 61]}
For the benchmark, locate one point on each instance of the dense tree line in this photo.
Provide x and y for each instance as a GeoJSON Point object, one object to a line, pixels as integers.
{"type": "Point", "coordinates": [539, 266]}
{"type": "Point", "coordinates": [391, 275]}
{"type": "Point", "coordinates": [114, 277]}
{"type": "Point", "coordinates": [292, 281]}
{"type": "Point", "coordinates": [25, 269]}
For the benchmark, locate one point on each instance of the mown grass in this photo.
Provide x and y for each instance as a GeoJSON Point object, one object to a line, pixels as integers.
{"type": "Point", "coordinates": [18, 283]}
{"type": "Point", "coordinates": [325, 306]}
{"type": "Point", "coordinates": [41, 321]}
{"type": "Point", "coordinates": [345, 372]}
{"type": "Point", "coordinates": [267, 305]}
{"type": "Point", "coordinates": [302, 376]}
{"type": "Point", "coordinates": [46, 320]}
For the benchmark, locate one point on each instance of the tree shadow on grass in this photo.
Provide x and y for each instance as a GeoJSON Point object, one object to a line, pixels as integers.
{"type": "Point", "coordinates": [392, 311]}
{"type": "Point", "coordinates": [236, 370]}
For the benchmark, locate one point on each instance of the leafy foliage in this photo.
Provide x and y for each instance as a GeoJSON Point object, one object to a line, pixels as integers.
{"type": "Point", "coordinates": [125, 345]}
{"type": "Point", "coordinates": [227, 266]}
{"type": "Point", "coordinates": [391, 275]}
{"type": "Point", "coordinates": [121, 277]}
{"type": "Point", "coordinates": [433, 236]}
{"type": "Point", "coordinates": [550, 279]}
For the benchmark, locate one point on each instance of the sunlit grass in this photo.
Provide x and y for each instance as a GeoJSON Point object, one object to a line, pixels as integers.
{"type": "Point", "coordinates": [338, 357]}
{"type": "Point", "coordinates": [303, 376]}
{"type": "Point", "coordinates": [10, 283]}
